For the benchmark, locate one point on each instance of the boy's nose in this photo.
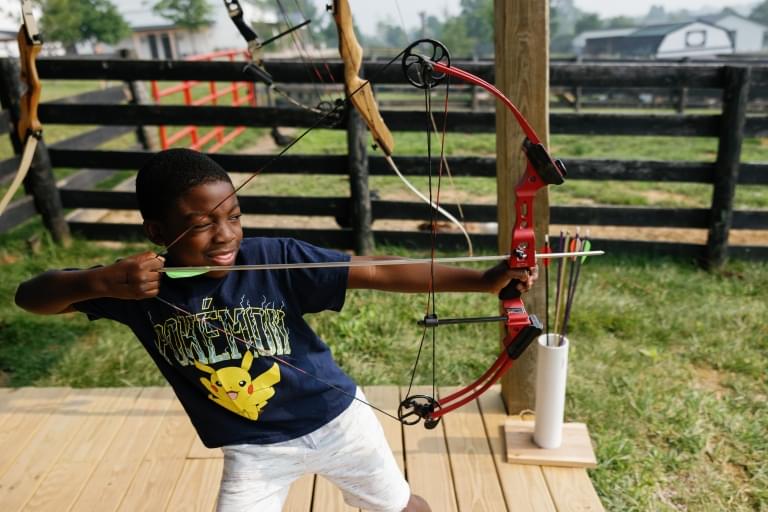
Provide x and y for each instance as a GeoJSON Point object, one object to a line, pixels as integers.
{"type": "Point", "coordinates": [225, 232]}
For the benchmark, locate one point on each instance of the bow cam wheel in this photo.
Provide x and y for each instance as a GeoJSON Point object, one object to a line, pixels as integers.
{"type": "Point", "coordinates": [418, 59]}
{"type": "Point", "coordinates": [416, 408]}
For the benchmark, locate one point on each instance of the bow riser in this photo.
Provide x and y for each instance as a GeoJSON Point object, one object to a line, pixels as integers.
{"type": "Point", "coordinates": [30, 45]}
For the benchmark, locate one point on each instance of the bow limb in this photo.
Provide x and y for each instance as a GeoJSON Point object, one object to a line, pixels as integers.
{"type": "Point", "coordinates": [29, 129]}
{"type": "Point", "coordinates": [360, 93]}
{"type": "Point", "coordinates": [255, 65]}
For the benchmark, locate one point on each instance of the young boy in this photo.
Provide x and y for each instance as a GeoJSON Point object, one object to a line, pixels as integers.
{"type": "Point", "coordinates": [250, 373]}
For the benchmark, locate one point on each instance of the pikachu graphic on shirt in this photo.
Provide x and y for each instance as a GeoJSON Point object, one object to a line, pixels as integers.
{"type": "Point", "coordinates": [232, 386]}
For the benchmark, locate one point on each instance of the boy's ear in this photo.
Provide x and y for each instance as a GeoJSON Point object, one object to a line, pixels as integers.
{"type": "Point", "coordinates": [154, 231]}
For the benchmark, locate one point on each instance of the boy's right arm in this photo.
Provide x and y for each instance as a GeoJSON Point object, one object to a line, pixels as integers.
{"type": "Point", "coordinates": [55, 291]}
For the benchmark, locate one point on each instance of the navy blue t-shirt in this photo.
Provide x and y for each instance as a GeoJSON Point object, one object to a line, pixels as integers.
{"type": "Point", "coordinates": [243, 362]}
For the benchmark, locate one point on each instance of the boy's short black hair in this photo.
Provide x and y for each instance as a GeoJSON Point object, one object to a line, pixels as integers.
{"type": "Point", "coordinates": [169, 174]}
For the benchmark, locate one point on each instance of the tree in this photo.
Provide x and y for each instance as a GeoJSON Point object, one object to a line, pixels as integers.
{"type": "Point", "coordinates": [621, 22]}
{"type": "Point", "coordinates": [391, 34]}
{"type": "Point", "coordinates": [189, 14]}
{"type": "Point", "coordinates": [75, 21]}
{"type": "Point", "coordinates": [588, 22]}
{"type": "Point", "coordinates": [760, 13]}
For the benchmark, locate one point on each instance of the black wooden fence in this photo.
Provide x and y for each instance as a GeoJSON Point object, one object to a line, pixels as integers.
{"type": "Point", "coordinates": [724, 174]}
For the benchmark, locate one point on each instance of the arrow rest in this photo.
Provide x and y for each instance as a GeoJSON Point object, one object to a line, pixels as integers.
{"type": "Point", "coordinates": [418, 59]}
{"type": "Point", "coordinates": [416, 408]}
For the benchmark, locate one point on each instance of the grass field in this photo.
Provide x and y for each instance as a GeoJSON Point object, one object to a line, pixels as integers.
{"type": "Point", "coordinates": [667, 365]}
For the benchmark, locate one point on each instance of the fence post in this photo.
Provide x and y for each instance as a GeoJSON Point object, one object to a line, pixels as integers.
{"type": "Point", "coordinates": [360, 197]}
{"type": "Point", "coordinates": [139, 96]}
{"type": "Point", "coordinates": [521, 36]}
{"type": "Point", "coordinates": [39, 182]}
{"type": "Point", "coordinates": [735, 93]}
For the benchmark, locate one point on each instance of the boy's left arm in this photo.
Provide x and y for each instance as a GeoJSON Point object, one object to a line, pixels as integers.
{"type": "Point", "coordinates": [416, 278]}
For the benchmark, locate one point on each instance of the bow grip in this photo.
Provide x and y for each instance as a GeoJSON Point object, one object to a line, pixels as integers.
{"type": "Point", "coordinates": [510, 291]}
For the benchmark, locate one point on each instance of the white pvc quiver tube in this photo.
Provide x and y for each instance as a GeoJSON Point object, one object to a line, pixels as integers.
{"type": "Point", "coordinates": [551, 375]}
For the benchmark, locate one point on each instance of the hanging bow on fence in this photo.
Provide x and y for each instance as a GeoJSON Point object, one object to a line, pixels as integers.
{"type": "Point", "coordinates": [28, 129]}
{"type": "Point", "coordinates": [255, 66]}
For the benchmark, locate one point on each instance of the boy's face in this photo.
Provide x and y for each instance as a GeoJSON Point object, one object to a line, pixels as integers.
{"type": "Point", "coordinates": [213, 237]}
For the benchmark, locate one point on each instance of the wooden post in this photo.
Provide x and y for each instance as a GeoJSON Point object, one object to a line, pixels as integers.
{"type": "Point", "coordinates": [682, 99]}
{"type": "Point", "coordinates": [735, 95]}
{"type": "Point", "coordinates": [40, 182]}
{"type": "Point", "coordinates": [359, 195]}
{"type": "Point", "coordinates": [138, 95]}
{"type": "Point", "coordinates": [522, 73]}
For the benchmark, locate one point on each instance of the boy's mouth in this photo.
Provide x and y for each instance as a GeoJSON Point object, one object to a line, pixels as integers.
{"type": "Point", "coordinates": [223, 257]}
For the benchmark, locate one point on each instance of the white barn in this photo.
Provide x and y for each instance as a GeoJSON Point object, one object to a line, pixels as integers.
{"type": "Point", "coordinates": [748, 36]}
{"type": "Point", "coordinates": [674, 40]}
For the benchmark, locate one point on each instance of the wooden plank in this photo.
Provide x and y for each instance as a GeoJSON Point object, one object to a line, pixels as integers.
{"type": "Point", "coordinates": [575, 449]}
{"type": "Point", "coordinates": [199, 451]}
{"type": "Point", "coordinates": [572, 490]}
{"type": "Point", "coordinates": [174, 437]}
{"type": "Point", "coordinates": [22, 416]}
{"type": "Point", "coordinates": [175, 115]}
{"type": "Point", "coordinates": [428, 467]}
{"type": "Point", "coordinates": [300, 495]}
{"type": "Point", "coordinates": [387, 398]}
{"type": "Point", "coordinates": [602, 74]}
{"type": "Point", "coordinates": [198, 486]}
{"type": "Point", "coordinates": [33, 403]}
{"type": "Point", "coordinates": [21, 480]}
{"type": "Point", "coordinates": [155, 481]}
{"type": "Point", "coordinates": [524, 487]}
{"type": "Point", "coordinates": [475, 478]}
{"type": "Point", "coordinates": [64, 481]}
{"type": "Point", "coordinates": [152, 486]}
{"type": "Point", "coordinates": [118, 465]}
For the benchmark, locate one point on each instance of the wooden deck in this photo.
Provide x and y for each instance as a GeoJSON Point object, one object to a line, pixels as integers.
{"type": "Point", "coordinates": [134, 449]}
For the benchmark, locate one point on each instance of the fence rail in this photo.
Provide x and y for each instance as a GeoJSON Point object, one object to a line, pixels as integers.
{"type": "Point", "coordinates": [724, 173]}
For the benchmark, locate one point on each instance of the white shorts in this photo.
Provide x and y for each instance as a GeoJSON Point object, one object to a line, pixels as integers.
{"type": "Point", "coordinates": [351, 451]}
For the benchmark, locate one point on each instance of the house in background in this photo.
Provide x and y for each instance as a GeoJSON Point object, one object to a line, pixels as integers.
{"type": "Point", "coordinates": [154, 37]}
{"type": "Point", "coordinates": [748, 36]}
{"type": "Point", "coordinates": [673, 40]}
{"type": "Point", "coordinates": [580, 41]}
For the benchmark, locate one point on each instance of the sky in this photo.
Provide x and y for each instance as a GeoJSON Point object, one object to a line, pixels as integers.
{"type": "Point", "coordinates": [367, 12]}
